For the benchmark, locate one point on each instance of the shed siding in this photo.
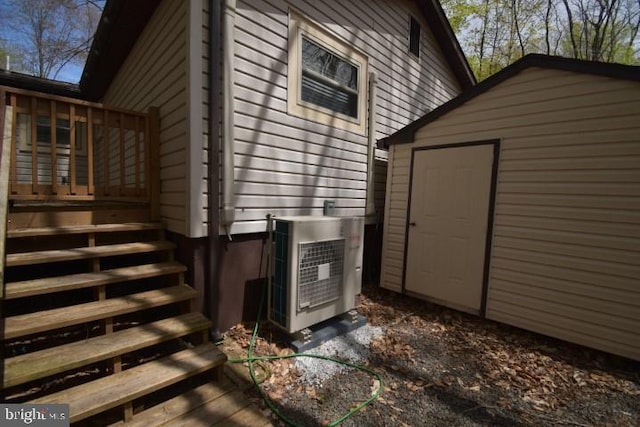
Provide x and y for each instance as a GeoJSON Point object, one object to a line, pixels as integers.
{"type": "Point", "coordinates": [154, 75]}
{"type": "Point", "coordinates": [288, 165]}
{"type": "Point", "coordinates": [566, 243]}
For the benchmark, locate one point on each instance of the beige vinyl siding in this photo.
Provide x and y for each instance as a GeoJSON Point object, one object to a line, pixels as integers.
{"type": "Point", "coordinates": [288, 165]}
{"type": "Point", "coordinates": [43, 161]}
{"type": "Point", "coordinates": [154, 75]}
{"type": "Point", "coordinates": [566, 242]}
{"type": "Point", "coordinates": [395, 217]}
{"type": "Point", "coordinates": [63, 168]}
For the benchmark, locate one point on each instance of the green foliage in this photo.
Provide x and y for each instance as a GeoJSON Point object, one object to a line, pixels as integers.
{"type": "Point", "coordinates": [459, 12]}
{"type": "Point", "coordinates": [15, 58]}
{"type": "Point", "coordinates": [495, 33]}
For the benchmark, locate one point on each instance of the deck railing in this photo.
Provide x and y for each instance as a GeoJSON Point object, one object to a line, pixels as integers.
{"type": "Point", "coordinates": [5, 157]}
{"type": "Point", "coordinates": [64, 149]}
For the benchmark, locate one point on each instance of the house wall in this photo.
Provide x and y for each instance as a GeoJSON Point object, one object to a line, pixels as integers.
{"type": "Point", "coordinates": [154, 75]}
{"type": "Point", "coordinates": [288, 165]}
{"type": "Point", "coordinates": [63, 168]}
{"type": "Point", "coordinates": [24, 162]}
{"type": "Point", "coordinates": [284, 165]}
{"type": "Point", "coordinates": [566, 243]}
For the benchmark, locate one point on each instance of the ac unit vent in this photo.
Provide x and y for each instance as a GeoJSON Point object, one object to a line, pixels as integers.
{"type": "Point", "coordinates": [317, 269]}
{"type": "Point", "coordinates": [320, 272]}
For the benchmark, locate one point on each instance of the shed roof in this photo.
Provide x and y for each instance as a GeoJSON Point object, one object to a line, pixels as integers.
{"type": "Point", "coordinates": [123, 21]}
{"type": "Point", "coordinates": [616, 71]}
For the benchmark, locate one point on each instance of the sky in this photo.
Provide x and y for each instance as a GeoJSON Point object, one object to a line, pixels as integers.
{"type": "Point", "coordinates": [71, 73]}
{"type": "Point", "coordinates": [9, 37]}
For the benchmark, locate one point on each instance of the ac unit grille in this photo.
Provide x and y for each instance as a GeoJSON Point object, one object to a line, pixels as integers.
{"type": "Point", "coordinates": [320, 269]}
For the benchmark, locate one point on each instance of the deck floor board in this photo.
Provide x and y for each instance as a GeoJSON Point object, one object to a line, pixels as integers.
{"type": "Point", "coordinates": [59, 255]}
{"type": "Point", "coordinates": [84, 229]}
{"type": "Point", "coordinates": [42, 321]}
{"type": "Point", "coordinates": [40, 364]}
{"type": "Point", "coordinates": [211, 404]}
{"type": "Point", "coordinates": [86, 280]}
{"type": "Point", "coordinates": [109, 392]}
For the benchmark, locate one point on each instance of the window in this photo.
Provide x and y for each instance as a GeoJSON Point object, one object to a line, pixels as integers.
{"type": "Point", "coordinates": [43, 134]}
{"type": "Point", "coordinates": [327, 77]}
{"type": "Point", "coordinates": [414, 37]}
{"type": "Point", "coordinates": [328, 81]}
{"type": "Point", "coordinates": [44, 131]}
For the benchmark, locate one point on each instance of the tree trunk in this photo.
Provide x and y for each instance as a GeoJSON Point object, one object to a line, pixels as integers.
{"type": "Point", "coordinates": [571, 29]}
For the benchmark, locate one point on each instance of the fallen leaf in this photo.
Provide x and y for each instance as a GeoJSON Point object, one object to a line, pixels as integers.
{"type": "Point", "coordinates": [375, 387]}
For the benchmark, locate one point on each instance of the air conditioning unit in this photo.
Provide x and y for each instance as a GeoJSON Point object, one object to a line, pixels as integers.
{"type": "Point", "coordinates": [317, 269]}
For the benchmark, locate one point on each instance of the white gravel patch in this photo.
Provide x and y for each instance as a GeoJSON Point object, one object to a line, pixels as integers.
{"type": "Point", "coordinates": [352, 347]}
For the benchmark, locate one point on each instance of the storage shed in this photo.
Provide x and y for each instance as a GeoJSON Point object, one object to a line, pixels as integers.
{"type": "Point", "coordinates": [519, 200]}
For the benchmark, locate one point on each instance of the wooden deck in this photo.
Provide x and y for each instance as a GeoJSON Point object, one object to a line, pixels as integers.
{"type": "Point", "coordinates": [148, 300]}
{"type": "Point", "coordinates": [213, 404]}
{"type": "Point", "coordinates": [95, 309]}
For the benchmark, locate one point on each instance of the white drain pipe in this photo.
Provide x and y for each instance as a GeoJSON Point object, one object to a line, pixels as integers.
{"type": "Point", "coordinates": [228, 166]}
{"type": "Point", "coordinates": [370, 210]}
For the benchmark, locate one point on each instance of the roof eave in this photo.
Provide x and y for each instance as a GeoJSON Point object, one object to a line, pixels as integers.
{"type": "Point", "coordinates": [38, 84]}
{"type": "Point", "coordinates": [121, 24]}
{"type": "Point", "coordinates": [448, 42]}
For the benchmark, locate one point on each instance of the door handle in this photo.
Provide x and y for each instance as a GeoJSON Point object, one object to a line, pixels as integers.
{"type": "Point", "coordinates": [413, 224]}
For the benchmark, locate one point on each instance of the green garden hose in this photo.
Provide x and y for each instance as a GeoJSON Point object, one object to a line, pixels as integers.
{"type": "Point", "coordinates": [251, 359]}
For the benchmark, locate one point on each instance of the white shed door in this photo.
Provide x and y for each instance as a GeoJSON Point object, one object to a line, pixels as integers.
{"type": "Point", "coordinates": [450, 195]}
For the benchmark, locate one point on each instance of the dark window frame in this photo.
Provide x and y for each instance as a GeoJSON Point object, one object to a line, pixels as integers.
{"type": "Point", "coordinates": [414, 36]}
{"type": "Point", "coordinates": [333, 89]}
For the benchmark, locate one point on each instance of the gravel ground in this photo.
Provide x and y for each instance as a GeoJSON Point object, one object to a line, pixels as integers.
{"type": "Point", "coordinates": [441, 367]}
{"type": "Point", "coordinates": [352, 347]}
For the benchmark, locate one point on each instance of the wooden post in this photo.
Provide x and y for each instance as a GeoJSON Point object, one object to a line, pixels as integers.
{"type": "Point", "coordinates": [90, 178]}
{"type": "Point", "coordinates": [128, 412]}
{"type": "Point", "coordinates": [53, 126]}
{"type": "Point", "coordinates": [121, 157]}
{"type": "Point", "coordinates": [34, 145]}
{"type": "Point", "coordinates": [13, 144]}
{"type": "Point", "coordinates": [152, 151]}
{"type": "Point", "coordinates": [136, 141]}
{"type": "Point", "coordinates": [5, 160]}
{"type": "Point", "coordinates": [72, 150]}
{"type": "Point", "coordinates": [105, 151]}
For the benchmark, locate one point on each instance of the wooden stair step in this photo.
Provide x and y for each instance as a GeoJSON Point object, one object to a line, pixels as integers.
{"type": "Point", "coordinates": [41, 257]}
{"type": "Point", "coordinates": [85, 280]}
{"type": "Point", "coordinates": [117, 389]}
{"type": "Point", "coordinates": [84, 229]}
{"type": "Point", "coordinates": [173, 409]}
{"type": "Point", "coordinates": [47, 320]}
{"type": "Point", "coordinates": [43, 363]}
{"type": "Point", "coordinates": [248, 416]}
{"type": "Point", "coordinates": [212, 404]}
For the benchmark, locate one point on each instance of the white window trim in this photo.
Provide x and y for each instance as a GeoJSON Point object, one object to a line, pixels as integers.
{"type": "Point", "coordinates": [298, 27]}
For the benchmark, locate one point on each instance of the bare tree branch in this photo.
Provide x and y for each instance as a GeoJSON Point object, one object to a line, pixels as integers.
{"type": "Point", "coordinates": [50, 33]}
{"type": "Point", "coordinates": [514, 5]}
{"type": "Point", "coordinates": [546, 27]}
